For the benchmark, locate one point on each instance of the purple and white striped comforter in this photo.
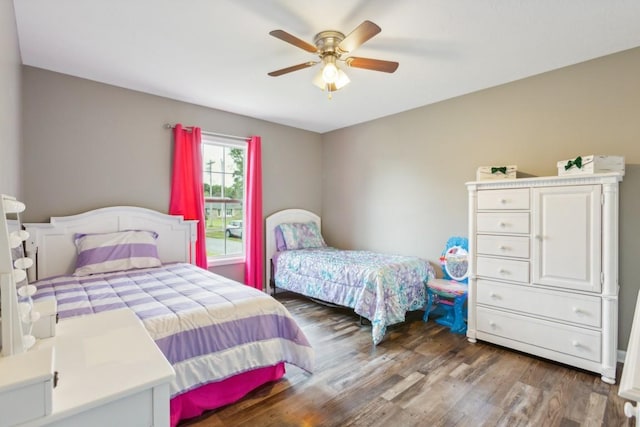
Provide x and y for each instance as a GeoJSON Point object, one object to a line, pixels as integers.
{"type": "Point", "coordinates": [208, 327]}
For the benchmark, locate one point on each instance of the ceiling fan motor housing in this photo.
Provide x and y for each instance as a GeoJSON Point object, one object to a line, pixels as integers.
{"type": "Point", "coordinates": [327, 43]}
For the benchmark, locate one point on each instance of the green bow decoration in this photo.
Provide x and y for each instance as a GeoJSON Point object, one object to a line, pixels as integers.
{"type": "Point", "coordinates": [571, 163]}
{"type": "Point", "coordinates": [502, 169]}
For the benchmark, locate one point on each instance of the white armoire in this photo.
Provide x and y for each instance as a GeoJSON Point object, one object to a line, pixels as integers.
{"type": "Point", "coordinates": [544, 267]}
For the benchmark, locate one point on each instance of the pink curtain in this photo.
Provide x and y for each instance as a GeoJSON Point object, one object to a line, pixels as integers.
{"type": "Point", "coordinates": [253, 267]}
{"type": "Point", "coordinates": [187, 194]}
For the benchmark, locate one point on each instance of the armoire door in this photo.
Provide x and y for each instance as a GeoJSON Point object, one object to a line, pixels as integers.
{"type": "Point", "coordinates": [566, 240]}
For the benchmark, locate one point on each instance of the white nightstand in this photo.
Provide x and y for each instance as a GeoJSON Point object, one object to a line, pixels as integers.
{"type": "Point", "coordinates": [110, 373]}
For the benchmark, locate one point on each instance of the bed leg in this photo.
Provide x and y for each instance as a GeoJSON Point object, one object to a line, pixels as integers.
{"type": "Point", "coordinates": [272, 280]}
{"type": "Point", "coordinates": [364, 321]}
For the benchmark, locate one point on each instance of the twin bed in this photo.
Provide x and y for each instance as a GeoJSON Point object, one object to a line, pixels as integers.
{"type": "Point", "coordinates": [222, 338]}
{"type": "Point", "coordinates": [379, 287]}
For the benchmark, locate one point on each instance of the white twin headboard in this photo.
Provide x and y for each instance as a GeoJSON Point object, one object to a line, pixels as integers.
{"type": "Point", "coordinates": [272, 221]}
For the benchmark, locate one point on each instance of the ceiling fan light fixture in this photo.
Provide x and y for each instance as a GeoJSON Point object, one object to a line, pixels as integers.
{"type": "Point", "coordinates": [341, 81]}
{"type": "Point", "coordinates": [329, 70]}
{"type": "Point", "coordinates": [330, 73]}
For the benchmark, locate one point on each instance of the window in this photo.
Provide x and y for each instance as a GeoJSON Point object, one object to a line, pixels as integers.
{"type": "Point", "coordinates": [223, 177]}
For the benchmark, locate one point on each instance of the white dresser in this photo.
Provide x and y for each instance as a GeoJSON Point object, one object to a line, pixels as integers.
{"type": "Point", "coordinates": [110, 373]}
{"type": "Point", "coordinates": [544, 268]}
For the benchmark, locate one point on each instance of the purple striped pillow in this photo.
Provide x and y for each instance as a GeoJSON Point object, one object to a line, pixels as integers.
{"type": "Point", "coordinates": [117, 251]}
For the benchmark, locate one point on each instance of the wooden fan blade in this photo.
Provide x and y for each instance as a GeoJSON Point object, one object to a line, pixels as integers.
{"type": "Point", "coordinates": [284, 36]}
{"type": "Point", "coordinates": [361, 34]}
{"type": "Point", "coordinates": [292, 68]}
{"type": "Point", "coordinates": [372, 64]}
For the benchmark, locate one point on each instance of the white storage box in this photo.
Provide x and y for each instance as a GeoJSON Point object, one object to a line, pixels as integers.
{"type": "Point", "coordinates": [587, 165]}
{"type": "Point", "coordinates": [496, 172]}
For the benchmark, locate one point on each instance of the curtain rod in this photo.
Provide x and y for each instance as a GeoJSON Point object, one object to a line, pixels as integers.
{"type": "Point", "coordinates": [220, 135]}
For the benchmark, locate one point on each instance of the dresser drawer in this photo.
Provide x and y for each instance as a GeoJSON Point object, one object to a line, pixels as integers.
{"type": "Point", "coordinates": [580, 309]}
{"type": "Point", "coordinates": [565, 339]}
{"type": "Point", "coordinates": [503, 199]}
{"type": "Point", "coordinates": [505, 269]}
{"type": "Point", "coordinates": [503, 222]}
{"type": "Point", "coordinates": [512, 246]}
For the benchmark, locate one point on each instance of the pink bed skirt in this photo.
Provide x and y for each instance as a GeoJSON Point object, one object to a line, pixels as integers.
{"type": "Point", "coordinates": [215, 395]}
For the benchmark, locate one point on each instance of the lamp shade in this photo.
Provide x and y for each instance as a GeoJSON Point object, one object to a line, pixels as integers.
{"type": "Point", "coordinates": [341, 81]}
{"type": "Point", "coordinates": [329, 69]}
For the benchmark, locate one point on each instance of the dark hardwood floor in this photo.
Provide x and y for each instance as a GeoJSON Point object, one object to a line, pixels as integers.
{"type": "Point", "coordinates": [420, 375]}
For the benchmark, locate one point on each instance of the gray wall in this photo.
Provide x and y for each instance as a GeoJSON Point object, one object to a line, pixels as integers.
{"type": "Point", "coordinates": [89, 145]}
{"type": "Point", "coordinates": [397, 184]}
{"type": "Point", "coordinates": [9, 102]}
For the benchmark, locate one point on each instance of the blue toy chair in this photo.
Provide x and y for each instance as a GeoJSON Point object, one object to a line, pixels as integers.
{"type": "Point", "coordinates": [449, 294]}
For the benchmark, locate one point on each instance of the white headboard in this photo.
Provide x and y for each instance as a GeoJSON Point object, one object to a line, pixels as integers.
{"type": "Point", "coordinates": [272, 221]}
{"type": "Point", "coordinates": [52, 245]}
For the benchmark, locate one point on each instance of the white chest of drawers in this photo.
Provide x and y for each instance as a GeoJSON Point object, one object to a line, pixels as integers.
{"type": "Point", "coordinates": [544, 268]}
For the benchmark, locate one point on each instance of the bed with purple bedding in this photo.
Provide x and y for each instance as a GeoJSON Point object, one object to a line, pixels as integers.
{"type": "Point", "coordinates": [222, 337]}
{"type": "Point", "coordinates": [379, 287]}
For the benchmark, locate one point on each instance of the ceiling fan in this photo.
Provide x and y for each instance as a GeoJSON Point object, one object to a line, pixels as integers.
{"type": "Point", "coordinates": [330, 46]}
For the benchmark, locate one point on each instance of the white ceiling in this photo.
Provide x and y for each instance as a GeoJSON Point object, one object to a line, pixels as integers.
{"type": "Point", "coordinates": [217, 53]}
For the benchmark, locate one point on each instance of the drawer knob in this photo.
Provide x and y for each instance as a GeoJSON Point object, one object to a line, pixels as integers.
{"type": "Point", "coordinates": [502, 224]}
{"type": "Point", "coordinates": [576, 310]}
{"type": "Point", "coordinates": [575, 343]}
{"type": "Point", "coordinates": [631, 411]}
{"type": "Point", "coordinates": [492, 323]}
{"type": "Point", "coordinates": [503, 201]}
{"type": "Point", "coordinates": [502, 271]}
{"type": "Point", "coordinates": [492, 294]}
{"type": "Point", "coordinates": [502, 248]}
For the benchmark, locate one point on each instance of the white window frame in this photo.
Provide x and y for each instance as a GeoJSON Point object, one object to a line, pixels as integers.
{"type": "Point", "coordinates": [230, 143]}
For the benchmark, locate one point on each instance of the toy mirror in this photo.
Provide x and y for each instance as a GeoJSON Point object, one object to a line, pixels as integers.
{"type": "Point", "coordinates": [456, 263]}
{"type": "Point", "coordinates": [455, 259]}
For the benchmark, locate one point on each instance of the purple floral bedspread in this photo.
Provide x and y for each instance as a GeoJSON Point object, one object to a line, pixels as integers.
{"type": "Point", "coordinates": [379, 287]}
